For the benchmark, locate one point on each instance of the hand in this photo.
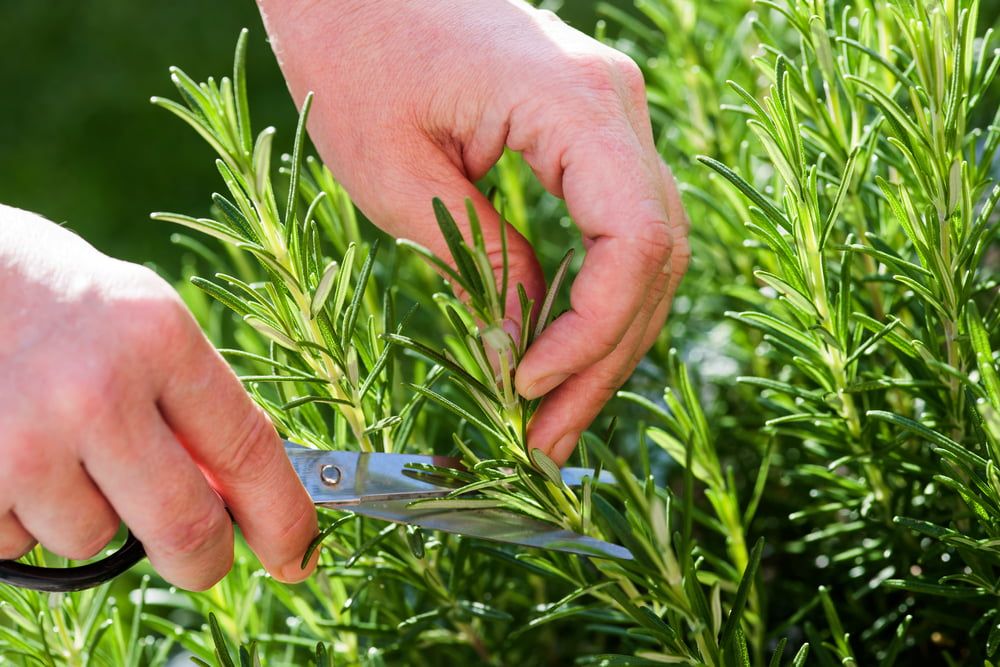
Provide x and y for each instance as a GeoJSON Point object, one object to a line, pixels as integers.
{"type": "Point", "coordinates": [113, 404]}
{"type": "Point", "coordinates": [418, 99]}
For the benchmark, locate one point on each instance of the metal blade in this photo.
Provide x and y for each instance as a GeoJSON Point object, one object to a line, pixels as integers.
{"type": "Point", "coordinates": [383, 486]}
{"type": "Point", "coordinates": [347, 478]}
{"type": "Point", "coordinates": [335, 478]}
{"type": "Point", "coordinates": [492, 524]}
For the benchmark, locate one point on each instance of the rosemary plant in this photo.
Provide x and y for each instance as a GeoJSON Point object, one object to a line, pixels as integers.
{"type": "Point", "coordinates": [833, 392]}
{"type": "Point", "coordinates": [854, 169]}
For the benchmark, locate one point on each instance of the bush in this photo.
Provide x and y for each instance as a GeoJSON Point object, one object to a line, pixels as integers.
{"type": "Point", "coordinates": [833, 395]}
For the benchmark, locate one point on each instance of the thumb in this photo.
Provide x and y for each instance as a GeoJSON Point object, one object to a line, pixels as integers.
{"type": "Point", "coordinates": [409, 214]}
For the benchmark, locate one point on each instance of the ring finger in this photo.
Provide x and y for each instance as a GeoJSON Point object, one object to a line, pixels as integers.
{"type": "Point", "coordinates": [67, 514]}
{"type": "Point", "coordinates": [165, 499]}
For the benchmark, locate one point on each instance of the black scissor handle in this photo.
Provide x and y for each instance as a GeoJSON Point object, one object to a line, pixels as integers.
{"type": "Point", "coordinates": [66, 579]}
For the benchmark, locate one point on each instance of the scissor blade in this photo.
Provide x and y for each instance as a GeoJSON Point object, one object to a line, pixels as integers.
{"type": "Point", "coordinates": [336, 478]}
{"type": "Point", "coordinates": [496, 525]}
{"type": "Point", "coordinates": [383, 486]}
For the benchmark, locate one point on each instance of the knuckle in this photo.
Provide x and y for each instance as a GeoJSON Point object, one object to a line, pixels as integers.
{"type": "Point", "coordinates": [196, 532]}
{"type": "Point", "coordinates": [611, 75]}
{"type": "Point", "coordinates": [656, 292]}
{"type": "Point", "coordinates": [156, 316]}
{"type": "Point", "coordinates": [677, 216]}
{"type": "Point", "coordinates": [25, 463]}
{"type": "Point", "coordinates": [610, 379]}
{"type": "Point", "coordinates": [602, 339]}
{"type": "Point", "coordinates": [83, 390]}
{"type": "Point", "coordinates": [680, 256]}
{"type": "Point", "coordinates": [251, 452]}
{"type": "Point", "coordinates": [606, 341]}
{"type": "Point", "coordinates": [144, 280]}
{"type": "Point", "coordinates": [630, 74]}
{"type": "Point", "coordinates": [596, 72]}
{"type": "Point", "coordinates": [302, 526]}
{"type": "Point", "coordinates": [653, 244]}
{"type": "Point", "coordinates": [606, 387]}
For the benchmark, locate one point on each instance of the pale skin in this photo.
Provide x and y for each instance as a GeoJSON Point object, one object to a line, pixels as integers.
{"type": "Point", "coordinates": [116, 408]}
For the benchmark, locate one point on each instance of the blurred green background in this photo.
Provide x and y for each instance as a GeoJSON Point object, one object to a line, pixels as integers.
{"type": "Point", "coordinates": [79, 141]}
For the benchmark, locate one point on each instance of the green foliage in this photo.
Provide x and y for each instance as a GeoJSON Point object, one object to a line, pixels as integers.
{"type": "Point", "coordinates": [858, 186]}
{"type": "Point", "coordinates": [834, 394]}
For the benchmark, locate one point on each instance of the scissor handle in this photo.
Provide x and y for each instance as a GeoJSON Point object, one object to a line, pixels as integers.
{"type": "Point", "coordinates": [66, 579]}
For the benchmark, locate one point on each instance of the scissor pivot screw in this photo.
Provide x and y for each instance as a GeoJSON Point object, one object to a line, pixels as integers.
{"type": "Point", "coordinates": [330, 474]}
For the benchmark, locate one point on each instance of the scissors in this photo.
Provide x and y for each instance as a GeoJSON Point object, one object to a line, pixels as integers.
{"type": "Point", "coordinates": [377, 485]}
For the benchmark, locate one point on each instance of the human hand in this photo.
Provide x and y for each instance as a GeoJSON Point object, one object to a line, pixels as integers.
{"type": "Point", "coordinates": [113, 404]}
{"type": "Point", "coordinates": [418, 99]}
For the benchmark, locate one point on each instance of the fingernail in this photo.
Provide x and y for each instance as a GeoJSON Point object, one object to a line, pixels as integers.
{"type": "Point", "coordinates": [512, 328]}
{"type": "Point", "coordinates": [564, 447]}
{"type": "Point", "coordinates": [292, 573]}
{"type": "Point", "coordinates": [543, 385]}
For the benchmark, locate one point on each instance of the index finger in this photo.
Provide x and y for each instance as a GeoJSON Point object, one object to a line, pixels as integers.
{"type": "Point", "coordinates": [616, 198]}
{"type": "Point", "coordinates": [238, 450]}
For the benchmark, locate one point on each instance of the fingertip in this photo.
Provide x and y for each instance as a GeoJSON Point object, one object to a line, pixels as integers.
{"type": "Point", "coordinates": [280, 546]}
{"type": "Point", "coordinates": [197, 585]}
{"type": "Point", "coordinates": [558, 450]}
{"type": "Point", "coordinates": [554, 432]}
{"type": "Point", "coordinates": [564, 448]}
{"type": "Point", "coordinates": [565, 413]}
{"type": "Point", "coordinates": [293, 572]}
{"type": "Point", "coordinates": [197, 577]}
